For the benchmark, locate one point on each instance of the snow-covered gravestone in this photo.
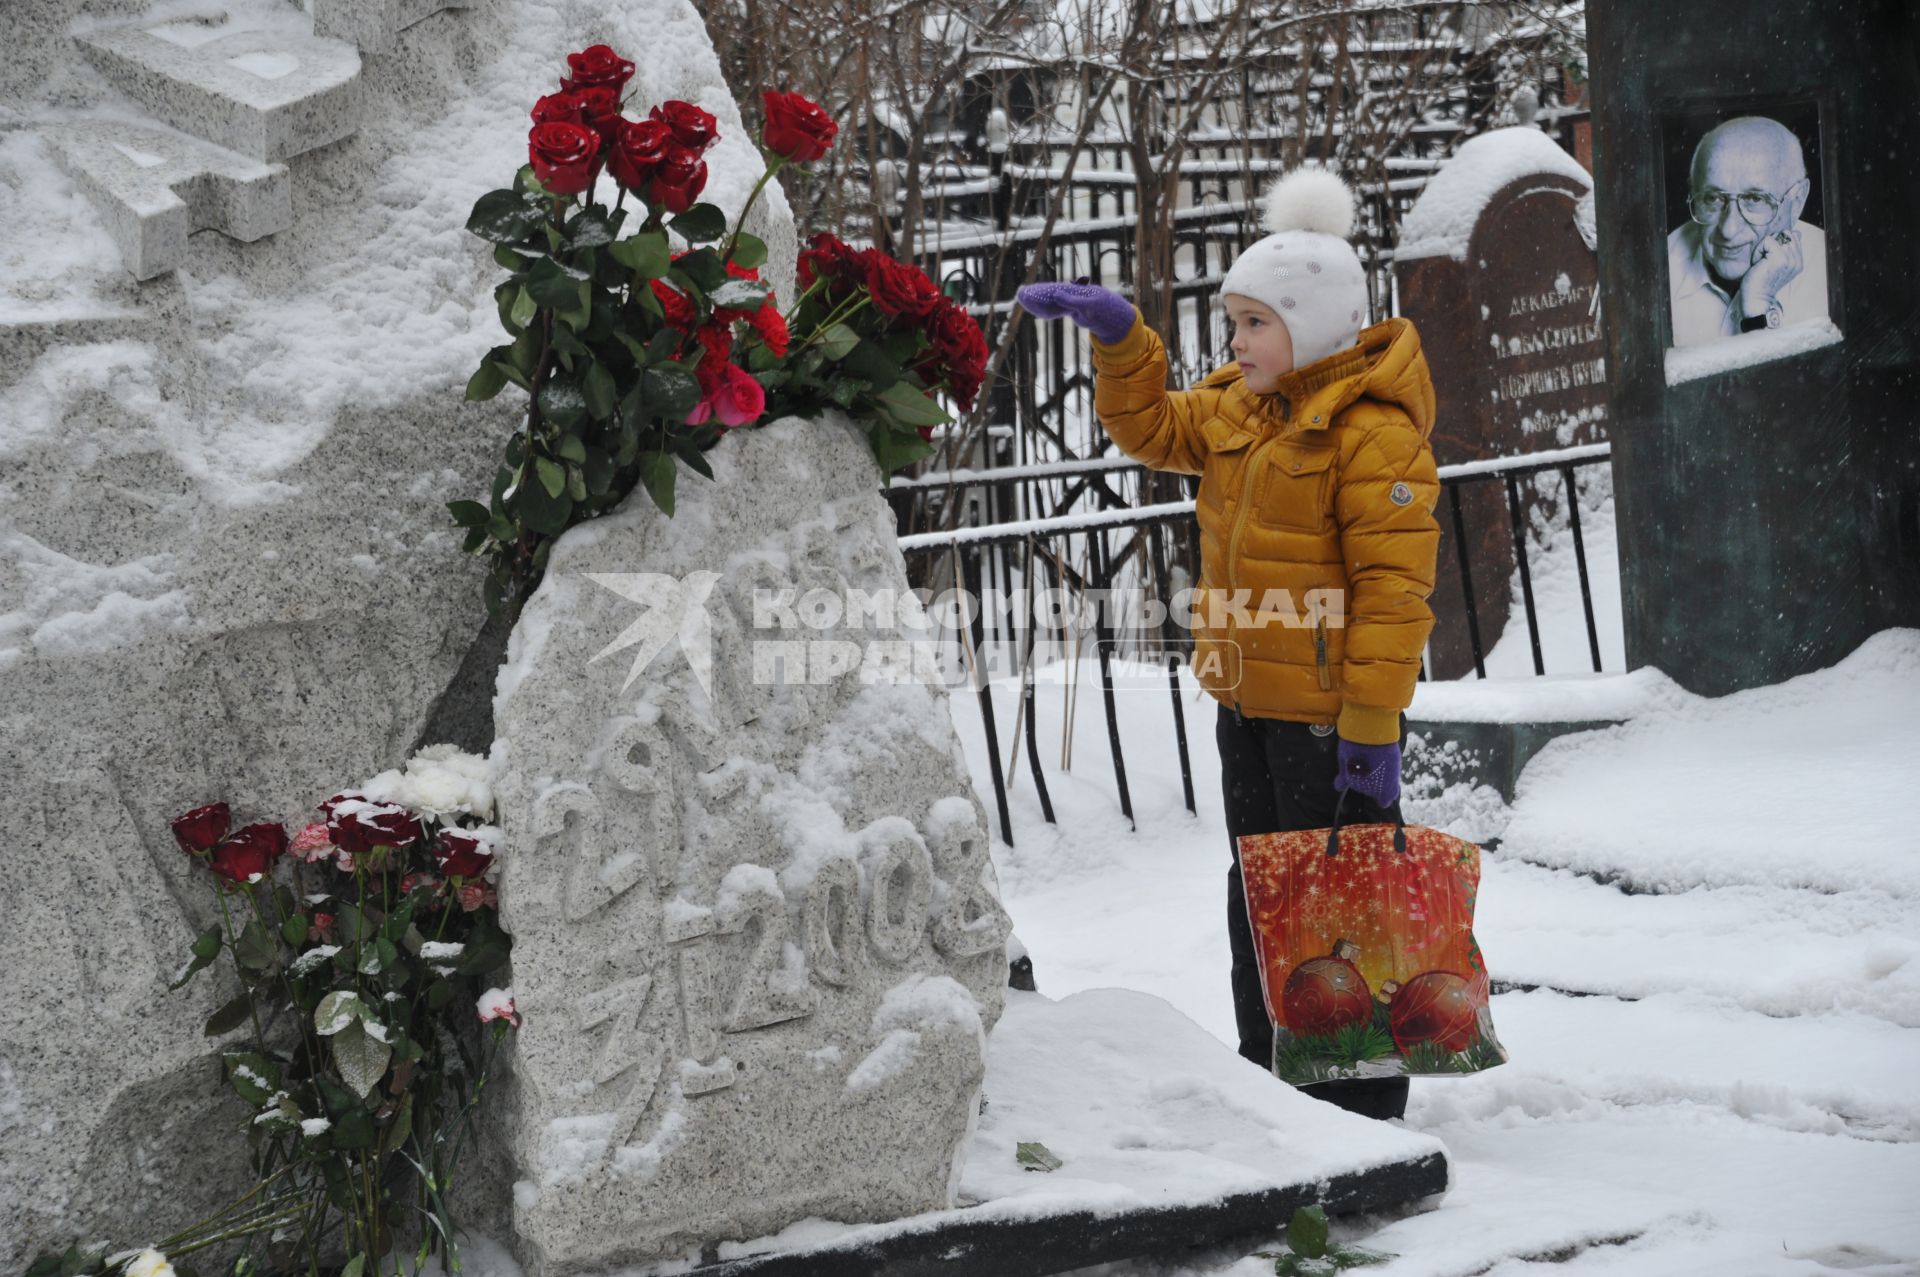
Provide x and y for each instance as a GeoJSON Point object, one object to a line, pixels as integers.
{"type": "Point", "coordinates": [1497, 270]}
{"type": "Point", "coordinates": [757, 938]}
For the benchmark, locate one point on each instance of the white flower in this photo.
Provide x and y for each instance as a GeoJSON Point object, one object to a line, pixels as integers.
{"type": "Point", "coordinates": [440, 781]}
{"type": "Point", "coordinates": [150, 1263]}
{"type": "Point", "coordinates": [497, 1004]}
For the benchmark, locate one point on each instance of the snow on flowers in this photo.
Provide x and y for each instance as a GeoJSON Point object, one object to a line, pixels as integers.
{"type": "Point", "coordinates": [641, 330]}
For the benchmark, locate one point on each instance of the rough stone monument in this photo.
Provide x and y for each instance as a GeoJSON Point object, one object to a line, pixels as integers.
{"type": "Point", "coordinates": [237, 308]}
{"type": "Point", "coordinates": [1497, 269]}
{"type": "Point", "coordinates": [757, 941]}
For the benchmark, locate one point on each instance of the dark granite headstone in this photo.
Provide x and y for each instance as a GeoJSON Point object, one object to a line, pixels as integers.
{"type": "Point", "coordinates": [1766, 488]}
{"type": "Point", "coordinates": [1500, 279]}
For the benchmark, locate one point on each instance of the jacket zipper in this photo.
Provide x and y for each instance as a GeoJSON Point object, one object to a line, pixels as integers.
{"type": "Point", "coordinates": [1233, 541]}
{"type": "Point", "coordinates": [1320, 655]}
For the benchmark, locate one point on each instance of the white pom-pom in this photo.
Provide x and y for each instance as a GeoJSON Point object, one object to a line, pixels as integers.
{"type": "Point", "coordinates": [1309, 199]}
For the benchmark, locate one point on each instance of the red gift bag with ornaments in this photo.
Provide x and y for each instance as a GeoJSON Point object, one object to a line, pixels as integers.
{"type": "Point", "coordinates": [1364, 935]}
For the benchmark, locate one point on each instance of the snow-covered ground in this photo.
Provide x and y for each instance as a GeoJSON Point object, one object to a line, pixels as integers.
{"type": "Point", "coordinates": [1707, 925]}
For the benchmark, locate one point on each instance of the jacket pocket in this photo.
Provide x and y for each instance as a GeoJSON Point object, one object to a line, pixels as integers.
{"type": "Point", "coordinates": [1299, 489]}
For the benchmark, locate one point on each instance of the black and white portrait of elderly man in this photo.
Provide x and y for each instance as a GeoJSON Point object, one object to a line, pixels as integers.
{"type": "Point", "coordinates": [1744, 260]}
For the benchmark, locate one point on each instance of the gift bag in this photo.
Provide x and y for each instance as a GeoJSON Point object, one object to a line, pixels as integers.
{"type": "Point", "coordinates": [1364, 935]}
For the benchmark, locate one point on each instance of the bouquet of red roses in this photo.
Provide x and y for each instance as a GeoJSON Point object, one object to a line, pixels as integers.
{"type": "Point", "coordinates": [876, 337]}
{"type": "Point", "coordinates": [633, 351]}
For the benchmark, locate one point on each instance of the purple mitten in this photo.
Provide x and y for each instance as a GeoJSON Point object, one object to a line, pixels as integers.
{"type": "Point", "coordinates": [1102, 312]}
{"type": "Point", "coordinates": [1373, 770]}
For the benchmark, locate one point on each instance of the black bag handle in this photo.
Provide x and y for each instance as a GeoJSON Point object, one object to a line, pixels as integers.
{"type": "Point", "coordinates": [1333, 834]}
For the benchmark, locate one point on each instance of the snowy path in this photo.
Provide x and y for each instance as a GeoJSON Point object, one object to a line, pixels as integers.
{"type": "Point", "coordinates": [1724, 1079]}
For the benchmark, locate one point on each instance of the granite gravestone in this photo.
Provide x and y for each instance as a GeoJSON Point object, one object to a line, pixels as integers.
{"type": "Point", "coordinates": [226, 568]}
{"type": "Point", "coordinates": [1768, 492]}
{"type": "Point", "coordinates": [757, 940]}
{"type": "Point", "coordinates": [1497, 270]}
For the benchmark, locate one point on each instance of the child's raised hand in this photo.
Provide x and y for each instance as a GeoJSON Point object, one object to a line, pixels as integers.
{"type": "Point", "coordinates": [1105, 314]}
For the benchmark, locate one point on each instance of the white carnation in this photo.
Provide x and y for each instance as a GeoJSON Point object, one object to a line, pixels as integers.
{"type": "Point", "coordinates": [150, 1263]}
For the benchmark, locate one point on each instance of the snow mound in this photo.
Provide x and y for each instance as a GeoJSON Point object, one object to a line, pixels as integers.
{"type": "Point", "coordinates": [1441, 222]}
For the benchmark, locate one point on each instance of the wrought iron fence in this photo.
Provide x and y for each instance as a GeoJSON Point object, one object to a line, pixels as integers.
{"type": "Point", "coordinates": [1111, 566]}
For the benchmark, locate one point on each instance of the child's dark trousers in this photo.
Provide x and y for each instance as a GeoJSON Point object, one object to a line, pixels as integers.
{"type": "Point", "coordinates": [1277, 777]}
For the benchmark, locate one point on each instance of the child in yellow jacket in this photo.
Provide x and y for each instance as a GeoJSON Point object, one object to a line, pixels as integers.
{"type": "Point", "coordinates": [1317, 535]}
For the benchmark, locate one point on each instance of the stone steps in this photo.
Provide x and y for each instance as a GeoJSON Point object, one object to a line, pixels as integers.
{"type": "Point", "coordinates": [234, 99]}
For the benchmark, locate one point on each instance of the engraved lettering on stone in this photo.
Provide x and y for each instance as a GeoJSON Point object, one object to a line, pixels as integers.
{"type": "Point", "coordinates": [625, 1049]}
{"type": "Point", "coordinates": [832, 920]}
{"type": "Point", "coordinates": [639, 759]}
{"type": "Point", "coordinates": [970, 921]}
{"type": "Point", "coordinates": [762, 998]}
{"type": "Point", "coordinates": [900, 888]}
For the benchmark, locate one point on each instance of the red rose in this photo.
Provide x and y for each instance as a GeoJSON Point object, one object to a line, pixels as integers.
{"type": "Point", "coordinates": [678, 180]}
{"type": "Point", "coordinates": [926, 433]}
{"type": "Point", "coordinates": [692, 128]}
{"type": "Point", "coordinates": [637, 150]}
{"type": "Point", "coordinates": [600, 109]}
{"type": "Point", "coordinates": [559, 108]}
{"type": "Point", "coordinates": [740, 399]}
{"type": "Point", "coordinates": [716, 347]}
{"type": "Point", "coordinates": [679, 310]}
{"type": "Point", "coordinates": [597, 65]}
{"type": "Point", "coordinates": [898, 289]}
{"type": "Point", "coordinates": [323, 924]}
{"type": "Point", "coordinates": [959, 352]}
{"type": "Point", "coordinates": [422, 881]}
{"type": "Point", "coordinates": [202, 827]}
{"type": "Point", "coordinates": [772, 327]}
{"type": "Point", "coordinates": [249, 854]}
{"type": "Point", "coordinates": [462, 855]}
{"type": "Point", "coordinates": [827, 257]}
{"type": "Point", "coordinates": [358, 826]}
{"type": "Point", "coordinates": [476, 895]}
{"type": "Point", "coordinates": [797, 130]}
{"type": "Point", "coordinates": [563, 156]}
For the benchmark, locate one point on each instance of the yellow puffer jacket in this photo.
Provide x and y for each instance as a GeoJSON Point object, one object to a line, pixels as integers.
{"type": "Point", "coordinates": [1326, 485]}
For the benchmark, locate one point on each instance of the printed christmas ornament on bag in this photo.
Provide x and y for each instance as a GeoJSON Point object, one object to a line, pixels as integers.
{"type": "Point", "coordinates": [1364, 936]}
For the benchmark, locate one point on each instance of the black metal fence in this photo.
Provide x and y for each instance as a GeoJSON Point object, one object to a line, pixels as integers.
{"type": "Point", "coordinates": [1118, 569]}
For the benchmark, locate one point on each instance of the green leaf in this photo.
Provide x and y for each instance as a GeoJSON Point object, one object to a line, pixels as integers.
{"type": "Point", "coordinates": [894, 447]}
{"type": "Point", "coordinates": [576, 485]}
{"type": "Point", "coordinates": [741, 294]}
{"type": "Point", "coordinates": [337, 1012]}
{"type": "Point", "coordinates": [552, 284]}
{"type": "Point", "coordinates": [256, 949]}
{"type": "Point", "coordinates": [597, 468]}
{"type": "Point", "coordinates": [671, 390]}
{"type": "Point", "coordinates": [205, 948]}
{"type": "Point", "coordinates": [467, 514]}
{"type": "Point", "coordinates": [504, 217]}
{"type": "Point", "coordinates": [845, 390]}
{"type": "Point", "coordinates": [749, 252]}
{"type": "Point", "coordinates": [354, 1266]}
{"type": "Point", "coordinates": [590, 229]}
{"type": "Point", "coordinates": [402, 1126]}
{"type": "Point", "coordinates": [600, 393]}
{"type": "Point", "coordinates": [360, 1058]}
{"type": "Point", "coordinates": [690, 453]}
{"type": "Point", "coordinates": [701, 224]}
{"type": "Point", "coordinates": [294, 929]}
{"type": "Point", "coordinates": [231, 1015]}
{"type": "Point", "coordinates": [570, 448]}
{"type": "Point", "coordinates": [911, 407]}
{"type": "Point", "coordinates": [508, 258]}
{"type": "Point", "coordinates": [562, 403]}
{"type": "Point", "coordinates": [487, 381]}
{"type": "Point", "coordinates": [1307, 1232]}
{"type": "Point", "coordinates": [523, 309]}
{"type": "Point", "coordinates": [540, 510]}
{"type": "Point", "coordinates": [656, 472]}
{"type": "Point", "coordinates": [525, 353]}
{"type": "Point", "coordinates": [837, 341]}
{"type": "Point", "coordinates": [869, 362]}
{"type": "Point", "coordinates": [702, 269]}
{"type": "Point", "coordinates": [255, 1077]}
{"type": "Point", "coordinates": [647, 254]}
{"type": "Point", "coordinates": [552, 477]}
{"type": "Point", "coordinates": [1035, 1156]}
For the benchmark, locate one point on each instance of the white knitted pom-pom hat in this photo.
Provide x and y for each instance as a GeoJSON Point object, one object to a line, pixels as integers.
{"type": "Point", "coordinates": [1305, 270]}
